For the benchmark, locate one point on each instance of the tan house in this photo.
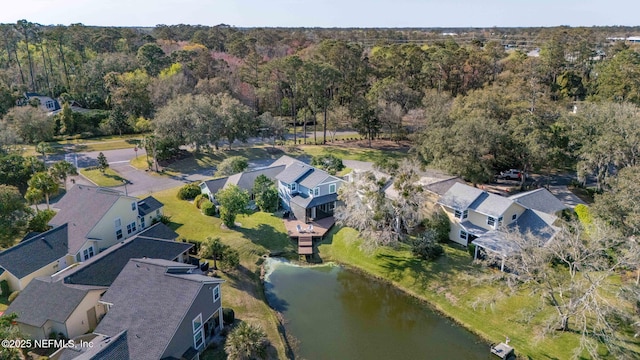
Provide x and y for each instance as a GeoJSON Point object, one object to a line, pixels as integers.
{"type": "Point", "coordinates": [40, 255]}
{"type": "Point", "coordinates": [98, 218]}
{"type": "Point", "coordinates": [478, 217]}
{"type": "Point", "coordinates": [71, 310]}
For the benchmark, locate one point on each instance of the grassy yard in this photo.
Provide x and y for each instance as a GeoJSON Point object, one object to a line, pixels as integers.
{"type": "Point", "coordinates": [95, 144]}
{"type": "Point", "coordinates": [206, 160]}
{"type": "Point", "coordinates": [108, 178]}
{"type": "Point", "coordinates": [259, 234]}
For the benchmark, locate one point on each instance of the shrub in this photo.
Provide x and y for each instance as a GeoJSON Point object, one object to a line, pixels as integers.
{"type": "Point", "coordinates": [232, 165]}
{"type": "Point", "coordinates": [208, 208]}
{"type": "Point", "coordinates": [230, 259]}
{"type": "Point", "coordinates": [228, 316]}
{"type": "Point", "coordinates": [4, 287]}
{"type": "Point", "coordinates": [13, 296]}
{"type": "Point", "coordinates": [426, 246]}
{"type": "Point", "coordinates": [40, 220]}
{"type": "Point", "coordinates": [328, 162]}
{"type": "Point", "coordinates": [189, 191]}
{"type": "Point", "coordinates": [197, 201]}
{"type": "Point", "coordinates": [246, 341]}
{"type": "Point", "coordinates": [439, 222]}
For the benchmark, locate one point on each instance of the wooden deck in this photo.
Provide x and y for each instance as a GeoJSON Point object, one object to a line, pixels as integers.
{"type": "Point", "coordinates": [305, 237]}
{"type": "Point", "coordinates": [320, 227]}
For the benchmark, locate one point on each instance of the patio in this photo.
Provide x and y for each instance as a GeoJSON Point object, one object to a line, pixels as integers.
{"type": "Point", "coordinates": [315, 229]}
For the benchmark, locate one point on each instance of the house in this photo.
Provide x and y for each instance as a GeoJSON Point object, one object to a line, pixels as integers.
{"type": "Point", "coordinates": [478, 216]}
{"type": "Point", "coordinates": [46, 103]}
{"type": "Point", "coordinates": [149, 211]}
{"type": "Point", "coordinates": [98, 218]}
{"type": "Point", "coordinates": [97, 273]}
{"type": "Point", "coordinates": [40, 255]}
{"type": "Point", "coordinates": [243, 180]}
{"type": "Point", "coordinates": [52, 307]}
{"type": "Point", "coordinates": [104, 268]}
{"type": "Point", "coordinates": [166, 309]}
{"type": "Point", "coordinates": [309, 193]}
{"type": "Point", "coordinates": [103, 348]}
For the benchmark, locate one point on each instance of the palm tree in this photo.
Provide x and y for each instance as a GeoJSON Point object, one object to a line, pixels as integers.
{"type": "Point", "coordinates": [212, 248]}
{"type": "Point", "coordinates": [44, 182]}
{"type": "Point", "coordinates": [34, 196]}
{"type": "Point", "coordinates": [246, 342]}
{"type": "Point", "coordinates": [61, 170]}
{"type": "Point", "coordinates": [44, 148]}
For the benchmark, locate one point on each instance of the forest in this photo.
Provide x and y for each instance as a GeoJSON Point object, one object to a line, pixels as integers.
{"type": "Point", "coordinates": [469, 101]}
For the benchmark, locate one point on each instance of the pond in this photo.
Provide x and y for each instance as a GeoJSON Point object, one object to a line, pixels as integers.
{"type": "Point", "coordinates": [336, 313]}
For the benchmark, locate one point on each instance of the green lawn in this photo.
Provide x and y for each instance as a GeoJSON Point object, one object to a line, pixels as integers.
{"type": "Point", "coordinates": [94, 144]}
{"type": "Point", "coordinates": [259, 234]}
{"type": "Point", "coordinates": [107, 179]}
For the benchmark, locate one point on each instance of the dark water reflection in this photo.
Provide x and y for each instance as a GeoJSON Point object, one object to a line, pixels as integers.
{"type": "Point", "coordinates": [340, 314]}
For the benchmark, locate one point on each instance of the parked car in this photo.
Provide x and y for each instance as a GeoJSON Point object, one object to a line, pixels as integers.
{"type": "Point", "coordinates": [511, 174]}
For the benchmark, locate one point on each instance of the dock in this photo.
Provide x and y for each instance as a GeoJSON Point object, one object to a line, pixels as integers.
{"type": "Point", "coordinates": [503, 351]}
{"type": "Point", "coordinates": [305, 233]}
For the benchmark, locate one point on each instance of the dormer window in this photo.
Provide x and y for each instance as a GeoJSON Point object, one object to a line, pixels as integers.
{"type": "Point", "coordinates": [293, 186]}
{"type": "Point", "coordinates": [461, 214]}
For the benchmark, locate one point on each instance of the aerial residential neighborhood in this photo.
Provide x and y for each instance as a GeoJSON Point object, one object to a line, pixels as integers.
{"type": "Point", "coordinates": [364, 180]}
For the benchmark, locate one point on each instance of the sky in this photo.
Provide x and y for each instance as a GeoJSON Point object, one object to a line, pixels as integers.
{"type": "Point", "coordinates": [325, 13]}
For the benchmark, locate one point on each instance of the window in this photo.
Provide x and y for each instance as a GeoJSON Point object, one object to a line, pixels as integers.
{"type": "Point", "coordinates": [500, 221]}
{"type": "Point", "coordinates": [118, 223]}
{"type": "Point", "coordinates": [131, 228]}
{"type": "Point", "coordinates": [216, 293]}
{"type": "Point", "coordinates": [293, 186]}
{"type": "Point", "coordinates": [310, 192]}
{"type": "Point", "coordinates": [491, 221]}
{"type": "Point", "coordinates": [198, 336]}
{"type": "Point", "coordinates": [461, 214]}
{"type": "Point", "coordinates": [514, 217]}
{"type": "Point", "coordinates": [316, 191]}
{"type": "Point", "coordinates": [87, 253]}
{"type": "Point", "coordinates": [118, 234]}
{"type": "Point", "coordinates": [133, 206]}
{"type": "Point", "coordinates": [50, 104]}
{"type": "Point", "coordinates": [463, 234]}
{"type": "Point", "coordinates": [142, 222]}
{"type": "Point", "coordinates": [197, 322]}
{"type": "Point", "coordinates": [157, 212]}
{"type": "Point", "coordinates": [332, 189]}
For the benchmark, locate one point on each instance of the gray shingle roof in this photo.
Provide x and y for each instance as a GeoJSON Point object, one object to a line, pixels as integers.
{"type": "Point", "coordinates": [149, 304]}
{"type": "Point", "coordinates": [538, 223]}
{"type": "Point", "coordinates": [460, 196]}
{"type": "Point", "coordinates": [294, 172]}
{"type": "Point", "coordinates": [315, 178]}
{"type": "Point", "coordinates": [104, 348]}
{"type": "Point", "coordinates": [44, 299]}
{"type": "Point", "coordinates": [310, 201]}
{"type": "Point", "coordinates": [159, 231]}
{"type": "Point", "coordinates": [104, 268]}
{"type": "Point", "coordinates": [245, 180]}
{"type": "Point", "coordinates": [472, 228]}
{"type": "Point", "coordinates": [148, 205]}
{"type": "Point", "coordinates": [491, 204]}
{"type": "Point", "coordinates": [442, 186]}
{"type": "Point", "coordinates": [539, 199]}
{"type": "Point", "coordinates": [216, 184]}
{"type": "Point", "coordinates": [284, 160]}
{"type": "Point", "coordinates": [82, 207]}
{"type": "Point", "coordinates": [35, 253]}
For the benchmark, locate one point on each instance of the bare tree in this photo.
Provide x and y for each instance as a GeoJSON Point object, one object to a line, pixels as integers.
{"type": "Point", "coordinates": [574, 273]}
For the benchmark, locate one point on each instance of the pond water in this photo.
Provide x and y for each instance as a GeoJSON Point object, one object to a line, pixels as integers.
{"type": "Point", "coordinates": [336, 313]}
